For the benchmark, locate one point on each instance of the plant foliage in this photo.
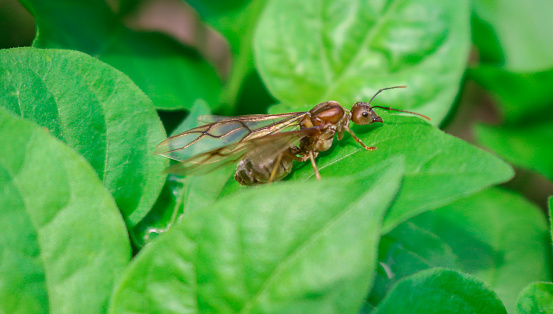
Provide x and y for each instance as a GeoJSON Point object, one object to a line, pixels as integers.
{"type": "Point", "coordinates": [91, 223]}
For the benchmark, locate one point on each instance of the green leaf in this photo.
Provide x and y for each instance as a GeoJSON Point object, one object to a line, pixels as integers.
{"type": "Point", "coordinates": [439, 168]}
{"type": "Point", "coordinates": [528, 146]}
{"type": "Point", "coordinates": [525, 99]}
{"type": "Point", "coordinates": [63, 241]}
{"type": "Point", "coordinates": [172, 75]}
{"type": "Point", "coordinates": [124, 8]}
{"type": "Point", "coordinates": [522, 97]}
{"type": "Point", "coordinates": [536, 298]}
{"type": "Point", "coordinates": [406, 250]}
{"type": "Point", "coordinates": [181, 195]}
{"type": "Point", "coordinates": [499, 237]}
{"type": "Point", "coordinates": [95, 109]}
{"type": "Point", "coordinates": [441, 291]}
{"type": "Point", "coordinates": [164, 213]}
{"type": "Point", "coordinates": [214, 9]}
{"type": "Point", "coordinates": [236, 20]}
{"type": "Point", "coordinates": [313, 51]}
{"type": "Point", "coordinates": [517, 34]}
{"type": "Point", "coordinates": [268, 249]}
{"type": "Point", "coordinates": [201, 191]}
{"type": "Point", "coordinates": [551, 217]}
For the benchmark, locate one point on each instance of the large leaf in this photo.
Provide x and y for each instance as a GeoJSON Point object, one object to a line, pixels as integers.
{"type": "Point", "coordinates": [172, 75]}
{"type": "Point", "coordinates": [515, 34]}
{"type": "Point", "coordinates": [499, 237]}
{"type": "Point", "coordinates": [345, 50]}
{"type": "Point", "coordinates": [95, 109]}
{"type": "Point", "coordinates": [268, 250]}
{"type": "Point", "coordinates": [439, 168]}
{"type": "Point", "coordinates": [63, 242]}
{"type": "Point", "coordinates": [441, 291]}
{"type": "Point", "coordinates": [536, 298]}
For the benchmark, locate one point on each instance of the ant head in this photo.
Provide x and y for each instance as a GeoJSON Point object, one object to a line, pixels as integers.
{"type": "Point", "coordinates": [362, 113]}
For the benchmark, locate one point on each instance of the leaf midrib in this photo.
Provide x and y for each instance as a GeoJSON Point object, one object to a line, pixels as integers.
{"type": "Point", "coordinates": [368, 38]}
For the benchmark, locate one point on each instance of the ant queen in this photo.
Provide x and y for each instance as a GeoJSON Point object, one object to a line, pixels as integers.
{"type": "Point", "coordinates": [265, 146]}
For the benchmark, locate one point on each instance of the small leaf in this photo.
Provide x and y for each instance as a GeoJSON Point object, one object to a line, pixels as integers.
{"type": "Point", "coordinates": [499, 237]}
{"type": "Point", "coordinates": [63, 241]}
{"type": "Point", "coordinates": [95, 109]}
{"type": "Point", "coordinates": [406, 250]}
{"type": "Point", "coordinates": [268, 249]}
{"type": "Point", "coordinates": [312, 51]}
{"type": "Point", "coordinates": [172, 75]}
{"type": "Point", "coordinates": [441, 291]}
{"type": "Point", "coordinates": [536, 298]}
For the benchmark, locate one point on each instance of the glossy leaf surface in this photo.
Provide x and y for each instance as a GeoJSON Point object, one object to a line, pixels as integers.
{"type": "Point", "coordinates": [313, 51]}
{"type": "Point", "coordinates": [63, 242]}
{"type": "Point", "coordinates": [252, 252]}
{"type": "Point", "coordinates": [435, 161]}
{"type": "Point", "coordinates": [95, 109]}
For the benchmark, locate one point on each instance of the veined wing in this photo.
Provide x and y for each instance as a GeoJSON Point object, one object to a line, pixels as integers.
{"type": "Point", "coordinates": [225, 131]}
{"type": "Point", "coordinates": [211, 118]}
{"type": "Point", "coordinates": [267, 147]}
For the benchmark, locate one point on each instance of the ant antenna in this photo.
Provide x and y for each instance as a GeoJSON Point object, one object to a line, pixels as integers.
{"type": "Point", "coordinates": [383, 89]}
{"type": "Point", "coordinates": [388, 108]}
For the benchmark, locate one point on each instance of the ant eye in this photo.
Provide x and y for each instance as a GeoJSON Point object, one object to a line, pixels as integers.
{"type": "Point", "coordinates": [365, 114]}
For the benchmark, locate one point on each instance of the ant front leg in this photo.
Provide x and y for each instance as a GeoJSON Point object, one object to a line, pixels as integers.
{"type": "Point", "coordinates": [358, 140]}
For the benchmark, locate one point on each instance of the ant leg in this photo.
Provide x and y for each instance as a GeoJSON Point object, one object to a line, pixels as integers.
{"type": "Point", "coordinates": [317, 174]}
{"type": "Point", "coordinates": [275, 168]}
{"type": "Point", "coordinates": [300, 159]}
{"type": "Point", "coordinates": [358, 140]}
{"type": "Point", "coordinates": [303, 157]}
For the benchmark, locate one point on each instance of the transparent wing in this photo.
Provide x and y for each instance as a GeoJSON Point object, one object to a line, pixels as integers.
{"type": "Point", "coordinates": [211, 118]}
{"type": "Point", "coordinates": [263, 148]}
{"type": "Point", "coordinates": [225, 131]}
